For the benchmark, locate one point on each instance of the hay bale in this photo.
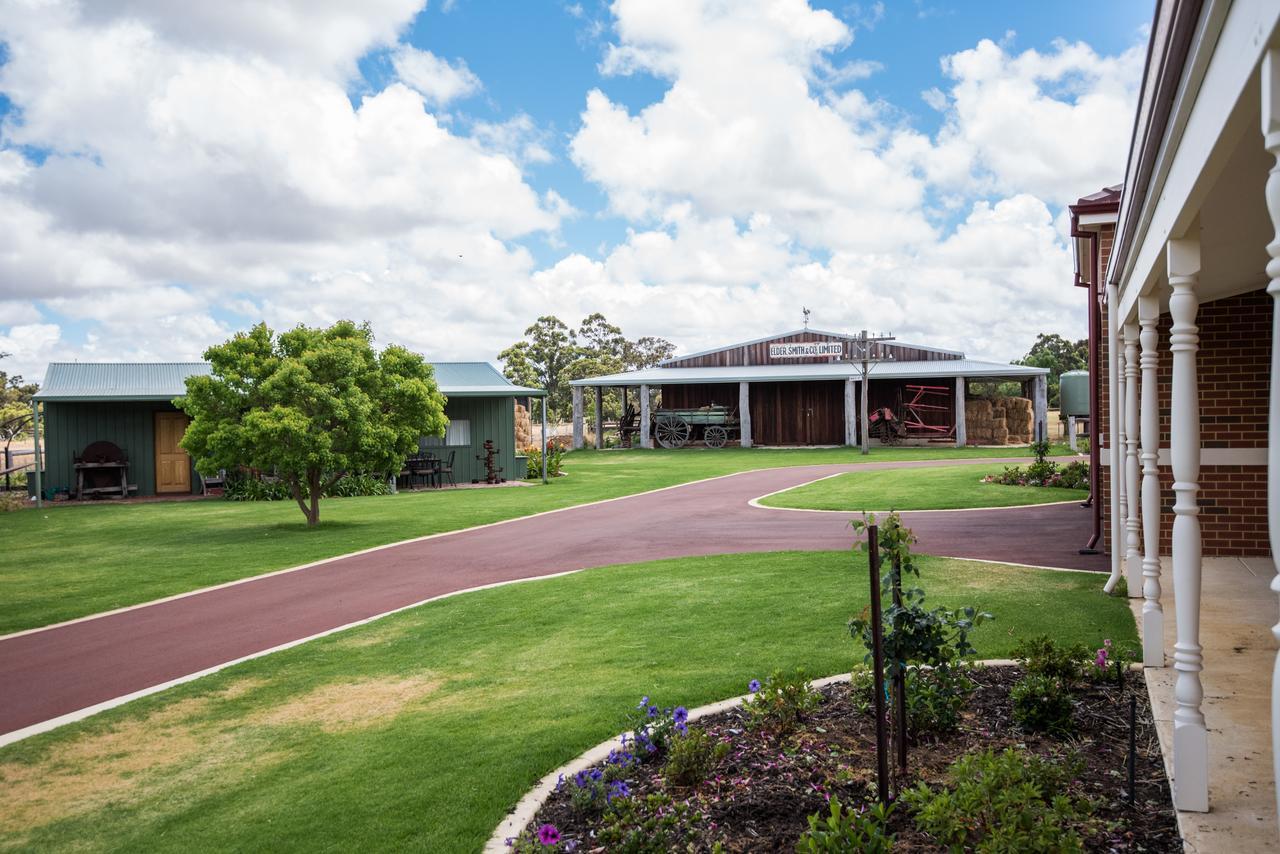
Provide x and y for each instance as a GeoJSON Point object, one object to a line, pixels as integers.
{"type": "Point", "coordinates": [999, 436]}
{"type": "Point", "coordinates": [524, 427]}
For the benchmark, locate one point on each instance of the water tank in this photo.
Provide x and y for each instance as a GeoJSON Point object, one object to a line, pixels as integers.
{"type": "Point", "coordinates": [1073, 394]}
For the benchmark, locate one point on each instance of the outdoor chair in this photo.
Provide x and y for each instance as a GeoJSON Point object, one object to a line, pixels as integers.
{"type": "Point", "coordinates": [444, 469]}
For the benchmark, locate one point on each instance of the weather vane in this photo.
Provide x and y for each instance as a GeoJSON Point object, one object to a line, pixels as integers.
{"type": "Point", "coordinates": [806, 316]}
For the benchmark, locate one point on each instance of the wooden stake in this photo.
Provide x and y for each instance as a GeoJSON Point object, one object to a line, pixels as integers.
{"type": "Point", "coordinates": [877, 667]}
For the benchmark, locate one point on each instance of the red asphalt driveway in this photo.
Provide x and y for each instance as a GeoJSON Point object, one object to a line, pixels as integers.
{"type": "Point", "coordinates": [60, 670]}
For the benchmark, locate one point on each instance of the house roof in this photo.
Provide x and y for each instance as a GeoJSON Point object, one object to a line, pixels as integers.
{"type": "Point", "coordinates": [822, 371]}
{"type": "Point", "coordinates": [118, 380]}
{"type": "Point", "coordinates": [71, 381]}
{"type": "Point", "coordinates": [844, 336]}
{"type": "Point", "coordinates": [478, 379]}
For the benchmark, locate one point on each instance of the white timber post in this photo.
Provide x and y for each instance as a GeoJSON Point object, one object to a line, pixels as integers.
{"type": "Point", "coordinates": [1132, 524]}
{"type": "Point", "coordinates": [850, 411]}
{"type": "Point", "coordinates": [1071, 433]}
{"type": "Point", "coordinates": [35, 437]}
{"type": "Point", "coordinates": [1152, 613]}
{"type": "Point", "coordinates": [962, 437]}
{"type": "Point", "coordinates": [744, 413]}
{"type": "Point", "coordinates": [1115, 402]}
{"type": "Point", "coordinates": [1190, 738]}
{"type": "Point", "coordinates": [599, 417]}
{"type": "Point", "coordinates": [1271, 139]}
{"type": "Point", "coordinates": [1040, 406]}
{"type": "Point", "coordinates": [544, 437]}
{"type": "Point", "coordinates": [645, 440]}
{"type": "Point", "coordinates": [577, 417]}
{"type": "Point", "coordinates": [864, 415]}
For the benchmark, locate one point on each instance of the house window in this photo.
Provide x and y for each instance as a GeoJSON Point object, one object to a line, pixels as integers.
{"type": "Point", "coordinates": [457, 433]}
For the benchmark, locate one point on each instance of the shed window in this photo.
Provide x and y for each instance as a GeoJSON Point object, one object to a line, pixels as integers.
{"type": "Point", "coordinates": [457, 433]}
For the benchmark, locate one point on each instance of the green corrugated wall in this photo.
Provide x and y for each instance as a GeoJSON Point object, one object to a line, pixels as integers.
{"type": "Point", "coordinates": [69, 427]}
{"type": "Point", "coordinates": [491, 418]}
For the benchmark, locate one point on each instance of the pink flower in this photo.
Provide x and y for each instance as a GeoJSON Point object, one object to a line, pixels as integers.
{"type": "Point", "coordinates": [548, 834]}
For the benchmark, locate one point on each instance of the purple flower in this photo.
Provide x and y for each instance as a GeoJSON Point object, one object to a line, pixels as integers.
{"type": "Point", "coordinates": [618, 789]}
{"type": "Point", "coordinates": [681, 715]}
{"type": "Point", "coordinates": [597, 774]}
{"type": "Point", "coordinates": [682, 728]}
{"type": "Point", "coordinates": [548, 835]}
{"type": "Point", "coordinates": [644, 701]}
{"type": "Point", "coordinates": [753, 686]}
{"type": "Point", "coordinates": [653, 711]}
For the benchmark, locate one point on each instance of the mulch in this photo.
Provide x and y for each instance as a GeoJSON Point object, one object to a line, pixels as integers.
{"type": "Point", "coordinates": [759, 797]}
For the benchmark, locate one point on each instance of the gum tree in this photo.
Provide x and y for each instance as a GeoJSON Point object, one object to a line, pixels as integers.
{"type": "Point", "coordinates": [310, 405]}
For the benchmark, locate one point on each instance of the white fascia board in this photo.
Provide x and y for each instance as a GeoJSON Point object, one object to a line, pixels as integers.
{"type": "Point", "coordinates": [1207, 121]}
{"type": "Point", "coordinates": [1096, 219]}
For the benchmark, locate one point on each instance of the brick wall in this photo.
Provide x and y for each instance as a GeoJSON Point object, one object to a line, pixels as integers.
{"type": "Point", "coordinates": [1234, 366]}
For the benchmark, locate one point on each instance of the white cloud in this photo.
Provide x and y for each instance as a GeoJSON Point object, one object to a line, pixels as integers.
{"type": "Point", "coordinates": [739, 131]}
{"type": "Point", "coordinates": [434, 78]}
{"type": "Point", "coordinates": [1052, 123]}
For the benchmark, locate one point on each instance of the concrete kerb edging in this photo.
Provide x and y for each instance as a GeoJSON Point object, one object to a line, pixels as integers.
{"type": "Point", "coordinates": [528, 806]}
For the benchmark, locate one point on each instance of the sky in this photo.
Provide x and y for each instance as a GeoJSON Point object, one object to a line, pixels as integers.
{"type": "Point", "coordinates": [699, 170]}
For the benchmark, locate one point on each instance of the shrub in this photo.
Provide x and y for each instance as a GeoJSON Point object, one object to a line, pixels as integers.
{"type": "Point", "coordinates": [1074, 475]}
{"type": "Point", "coordinates": [691, 757]}
{"type": "Point", "coordinates": [844, 830]}
{"type": "Point", "coordinates": [592, 790]}
{"type": "Point", "coordinates": [1013, 801]}
{"type": "Point", "coordinates": [935, 699]}
{"type": "Point", "coordinates": [11, 501]}
{"type": "Point", "coordinates": [534, 461]}
{"type": "Point", "coordinates": [1042, 656]}
{"type": "Point", "coordinates": [655, 826]}
{"type": "Point", "coordinates": [246, 486]}
{"type": "Point", "coordinates": [780, 704]}
{"type": "Point", "coordinates": [652, 727]}
{"type": "Point", "coordinates": [1042, 703]}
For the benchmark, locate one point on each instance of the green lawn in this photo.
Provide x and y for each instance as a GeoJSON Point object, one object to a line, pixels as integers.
{"type": "Point", "coordinates": [420, 730]}
{"type": "Point", "coordinates": [66, 562]}
{"type": "Point", "coordinates": [949, 488]}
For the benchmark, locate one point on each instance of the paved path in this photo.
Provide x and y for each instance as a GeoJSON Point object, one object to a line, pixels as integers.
{"type": "Point", "coordinates": [64, 669]}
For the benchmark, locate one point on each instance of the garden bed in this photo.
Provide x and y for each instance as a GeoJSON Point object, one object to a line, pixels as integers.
{"type": "Point", "coordinates": [761, 788]}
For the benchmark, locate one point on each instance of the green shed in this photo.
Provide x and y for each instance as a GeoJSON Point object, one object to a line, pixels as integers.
{"type": "Point", "coordinates": [130, 405]}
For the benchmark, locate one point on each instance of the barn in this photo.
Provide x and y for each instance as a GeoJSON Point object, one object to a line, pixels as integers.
{"type": "Point", "coordinates": [804, 387]}
{"type": "Point", "coordinates": [130, 406]}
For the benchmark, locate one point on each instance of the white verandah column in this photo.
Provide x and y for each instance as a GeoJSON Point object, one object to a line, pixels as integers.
{"type": "Point", "coordinates": [744, 414]}
{"type": "Point", "coordinates": [599, 417]}
{"type": "Point", "coordinates": [1271, 139]}
{"type": "Point", "coordinates": [962, 437]}
{"type": "Point", "coordinates": [850, 411]}
{"type": "Point", "coordinates": [1152, 613]}
{"type": "Point", "coordinates": [1190, 739]}
{"type": "Point", "coordinates": [1132, 525]}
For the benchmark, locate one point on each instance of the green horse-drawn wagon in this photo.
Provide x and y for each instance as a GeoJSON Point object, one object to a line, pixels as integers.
{"type": "Point", "coordinates": [714, 425]}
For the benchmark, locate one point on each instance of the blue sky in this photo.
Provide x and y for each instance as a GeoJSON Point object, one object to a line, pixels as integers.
{"type": "Point", "coordinates": [200, 177]}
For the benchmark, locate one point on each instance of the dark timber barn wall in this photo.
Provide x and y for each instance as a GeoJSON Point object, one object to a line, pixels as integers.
{"type": "Point", "coordinates": [790, 413]}
{"type": "Point", "coordinates": [758, 353]}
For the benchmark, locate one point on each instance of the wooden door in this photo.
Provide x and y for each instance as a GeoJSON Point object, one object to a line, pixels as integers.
{"type": "Point", "coordinates": [173, 466]}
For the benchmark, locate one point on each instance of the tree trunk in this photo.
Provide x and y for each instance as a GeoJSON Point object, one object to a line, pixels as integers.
{"type": "Point", "coordinates": [313, 512]}
{"type": "Point", "coordinates": [296, 490]}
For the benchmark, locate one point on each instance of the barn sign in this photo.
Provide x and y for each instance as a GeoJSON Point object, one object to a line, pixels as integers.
{"type": "Point", "coordinates": [807, 350]}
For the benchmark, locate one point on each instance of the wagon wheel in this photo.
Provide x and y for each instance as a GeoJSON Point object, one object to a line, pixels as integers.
{"type": "Point", "coordinates": [715, 436]}
{"type": "Point", "coordinates": [673, 431]}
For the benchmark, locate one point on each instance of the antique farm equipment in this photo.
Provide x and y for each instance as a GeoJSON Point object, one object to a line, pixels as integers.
{"type": "Point", "coordinates": [926, 399]}
{"type": "Point", "coordinates": [714, 425]}
{"type": "Point", "coordinates": [885, 427]}
{"type": "Point", "coordinates": [102, 469]}
{"type": "Point", "coordinates": [492, 471]}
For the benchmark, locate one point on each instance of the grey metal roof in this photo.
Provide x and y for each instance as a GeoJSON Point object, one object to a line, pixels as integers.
{"type": "Point", "coordinates": [69, 381]}
{"type": "Point", "coordinates": [822, 371]}
{"type": "Point", "coordinates": [478, 379]}
{"type": "Point", "coordinates": [118, 380]}
{"type": "Point", "coordinates": [841, 335]}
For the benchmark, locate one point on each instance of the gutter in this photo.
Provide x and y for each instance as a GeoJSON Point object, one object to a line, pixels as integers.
{"type": "Point", "coordinates": [1159, 91]}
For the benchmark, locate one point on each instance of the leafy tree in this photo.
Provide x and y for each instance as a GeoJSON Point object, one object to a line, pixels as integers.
{"type": "Point", "coordinates": [1059, 355]}
{"type": "Point", "coordinates": [647, 351]}
{"type": "Point", "coordinates": [15, 401]}
{"type": "Point", "coordinates": [311, 405]}
{"type": "Point", "coordinates": [547, 350]}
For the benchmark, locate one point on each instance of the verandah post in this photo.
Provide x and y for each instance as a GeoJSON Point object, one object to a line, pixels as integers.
{"type": "Point", "coordinates": [1152, 612]}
